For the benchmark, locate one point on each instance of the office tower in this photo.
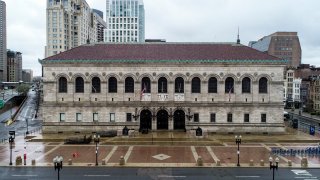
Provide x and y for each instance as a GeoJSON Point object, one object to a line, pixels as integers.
{"type": "Point", "coordinates": [3, 42]}
{"type": "Point", "coordinates": [70, 23]}
{"type": "Point", "coordinates": [125, 21]}
{"type": "Point", "coordinates": [14, 61]}
{"type": "Point", "coordinates": [284, 45]}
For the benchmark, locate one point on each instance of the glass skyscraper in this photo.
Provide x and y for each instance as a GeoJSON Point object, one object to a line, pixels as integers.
{"type": "Point", "coordinates": [125, 21]}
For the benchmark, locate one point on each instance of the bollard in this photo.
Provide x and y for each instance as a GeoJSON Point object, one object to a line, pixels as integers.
{"type": "Point", "coordinates": [218, 163]}
{"type": "Point", "coordinates": [251, 163]}
{"type": "Point", "coordinates": [261, 162]}
{"type": "Point", "coordinates": [33, 162]}
{"type": "Point", "coordinates": [103, 162]}
{"type": "Point", "coordinates": [289, 163]}
{"type": "Point", "coordinates": [70, 162]}
{"type": "Point", "coordinates": [122, 161]}
{"type": "Point", "coordinates": [18, 160]}
{"type": "Point", "coordinates": [304, 162]}
{"type": "Point", "coordinates": [199, 161]}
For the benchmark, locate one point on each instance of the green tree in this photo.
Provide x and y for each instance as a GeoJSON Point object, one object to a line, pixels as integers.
{"type": "Point", "coordinates": [23, 89]}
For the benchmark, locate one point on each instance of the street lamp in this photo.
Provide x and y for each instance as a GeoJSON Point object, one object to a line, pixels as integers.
{"type": "Point", "coordinates": [96, 139]}
{"type": "Point", "coordinates": [238, 142]}
{"type": "Point", "coordinates": [189, 116]}
{"type": "Point", "coordinates": [27, 126]}
{"type": "Point", "coordinates": [273, 165]}
{"type": "Point", "coordinates": [11, 140]}
{"type": "Point", "coordinates": [57, 161]}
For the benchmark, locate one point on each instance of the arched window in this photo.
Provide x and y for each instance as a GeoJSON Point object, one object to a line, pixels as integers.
{"type": "Point", "coordinates": [246, 85]}
{"type": "Point", "coordinates": [79, 85]}
{"type": "Point", "coordinates": [162, 85]}
{"type": "Point", "coordinates": [129, 85]}
{"type": "Point", "coordinates": [196, 85]}
{"type": "Point", "coordinates": [63, 85]}
{"type": "Point", "coordinates": [179, 85]}
{"type": "Point", "coordinates": [229, 85]}
{"type": "Point", "coordinates": [212, 85]}
{"type": "Point", "coordinates": [95, 86]}
{"type": "Point", "coordinates": [112, 85]}
{"type": "Point", "coordinates": [145, 85]}
{"type": "Point", "coordinates": [263, 85]}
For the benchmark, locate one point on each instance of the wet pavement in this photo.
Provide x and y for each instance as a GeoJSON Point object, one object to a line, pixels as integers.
{"type": "Point", "coordinates": [253, 149]}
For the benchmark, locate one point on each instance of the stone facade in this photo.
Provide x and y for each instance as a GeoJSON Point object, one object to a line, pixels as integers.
{"type": "Point", "coordinates": [112, 109]}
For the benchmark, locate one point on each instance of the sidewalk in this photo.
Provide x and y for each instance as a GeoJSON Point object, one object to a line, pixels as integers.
{"type": "Point", "coordinates": [253, 149]}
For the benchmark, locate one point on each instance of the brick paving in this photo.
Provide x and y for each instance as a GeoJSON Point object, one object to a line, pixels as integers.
{"type": "Point", "coordinates": [156, 155]}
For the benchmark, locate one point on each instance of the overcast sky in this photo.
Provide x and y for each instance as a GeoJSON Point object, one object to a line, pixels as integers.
{"type": "Point", "coordinates": [183, 21]}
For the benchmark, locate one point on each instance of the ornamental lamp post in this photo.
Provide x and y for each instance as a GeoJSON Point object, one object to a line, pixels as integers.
{"type": "Point", "coordinates": [273, 165]}
{"type": "Point", "coordinates": [189, 116]}
{"type": "Point", "coordinates": [27, 126]}
{"type": "Point", "coordinates": [238, 142]}
{"type": "Point", "coordinates": [11, 140]}
{"type": "Point", "coordinates": [96, 139]}
{"type": "Point", "coordinates": [58, 161]}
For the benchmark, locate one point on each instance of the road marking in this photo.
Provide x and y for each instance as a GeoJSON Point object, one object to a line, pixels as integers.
{"type": "Point", "coordinates": [96, 175]}
{"type": "Point", "coordinates": [215, 158]}
{"type": "Point", "coordinates": [194, 153]}
{"type": "Point", "coordinates": [111, 153]}
{"type": "Point", "coordinates": [304, 178]}
{"type": "Point", "coordinates": [170, 176]}
{"type": "Point", "coordinates": [24, 175]}
{"type": "Point", "coordinates": [45, 154]}
{"type": "Point", "coordinates": [126, 157]}
{"type": "Point", "coordinates": [247, 176]}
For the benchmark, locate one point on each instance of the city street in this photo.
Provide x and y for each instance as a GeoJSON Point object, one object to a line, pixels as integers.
{"type": "Point", "coordinates": [20, 125]}
{"type": "Point", "coordinates": [86, 173]}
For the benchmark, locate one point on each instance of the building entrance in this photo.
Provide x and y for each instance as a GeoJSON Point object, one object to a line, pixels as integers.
{"type": "Point", "coordinates": [179, 120]}
{"type": "Point", "coordinates": [162, 119]}
{"type": "Point", "coordinates": [145, 119]}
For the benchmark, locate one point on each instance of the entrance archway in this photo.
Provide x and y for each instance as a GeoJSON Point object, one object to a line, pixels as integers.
{"type": "Point", "coordinates": [179, 120]}
{"type": "Point", "coordinates": [162, 119]}
{"type": "Point", "coordinates": [145, 119]}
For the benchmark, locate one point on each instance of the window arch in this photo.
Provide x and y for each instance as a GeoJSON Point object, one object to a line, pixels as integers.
{"type": "Point", "coordinates": [246, 85]}
{"type": "Point", "coordinates": [229, 85]}
{"type": "Point", "coordinates": [79, 85]}
{"type": "Point", "coordinates": [129, 85]}
{"type": "Point", "coordinates": [179, 85]}
{"type": "Point", "coordinates": [96, 85]}
{"type": "Point", "coordinates": [162, 85]}
{"type": "Point", "coordinates": [196, 85]}
{"type": "Point", "coordinates": [63, 85]}
{"type": "Point", "coordinates": [263, 85]}
{"type": "Point", "coordinates": [212, 85]}
{"type": "Point", "coordinates": [112, 85]}
{"type": "Point", "coordinates": [146, 85]}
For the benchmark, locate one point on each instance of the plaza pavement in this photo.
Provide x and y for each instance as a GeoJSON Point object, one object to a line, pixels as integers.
{"type": "Point", "coordinates": [167, 150]}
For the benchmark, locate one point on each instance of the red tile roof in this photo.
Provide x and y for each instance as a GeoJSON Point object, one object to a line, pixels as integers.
{"type": "Point", "coordinates": [163, 51]}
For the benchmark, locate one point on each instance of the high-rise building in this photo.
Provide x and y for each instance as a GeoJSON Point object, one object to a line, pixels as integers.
{"type": "Point", "coordinates": [27, 75]}
{"type": "Point", "coordinates": [14, 61]}
{"type": "Point", "coordinates": [285, 45]}
{"type": "Point", "coordinates": [70, 23]}
{"type": "Point", "coordinates": [3, 42]}
{"type": "Point", "coordinates": [100, 23]}
{"type": "Point", "coordinates": [125, 21]}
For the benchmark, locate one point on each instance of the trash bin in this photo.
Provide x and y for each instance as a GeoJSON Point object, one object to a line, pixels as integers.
{"type": "Point", "coordinates": [125, 131]}
{"type": "Point", "coordinates": [198, 131]}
